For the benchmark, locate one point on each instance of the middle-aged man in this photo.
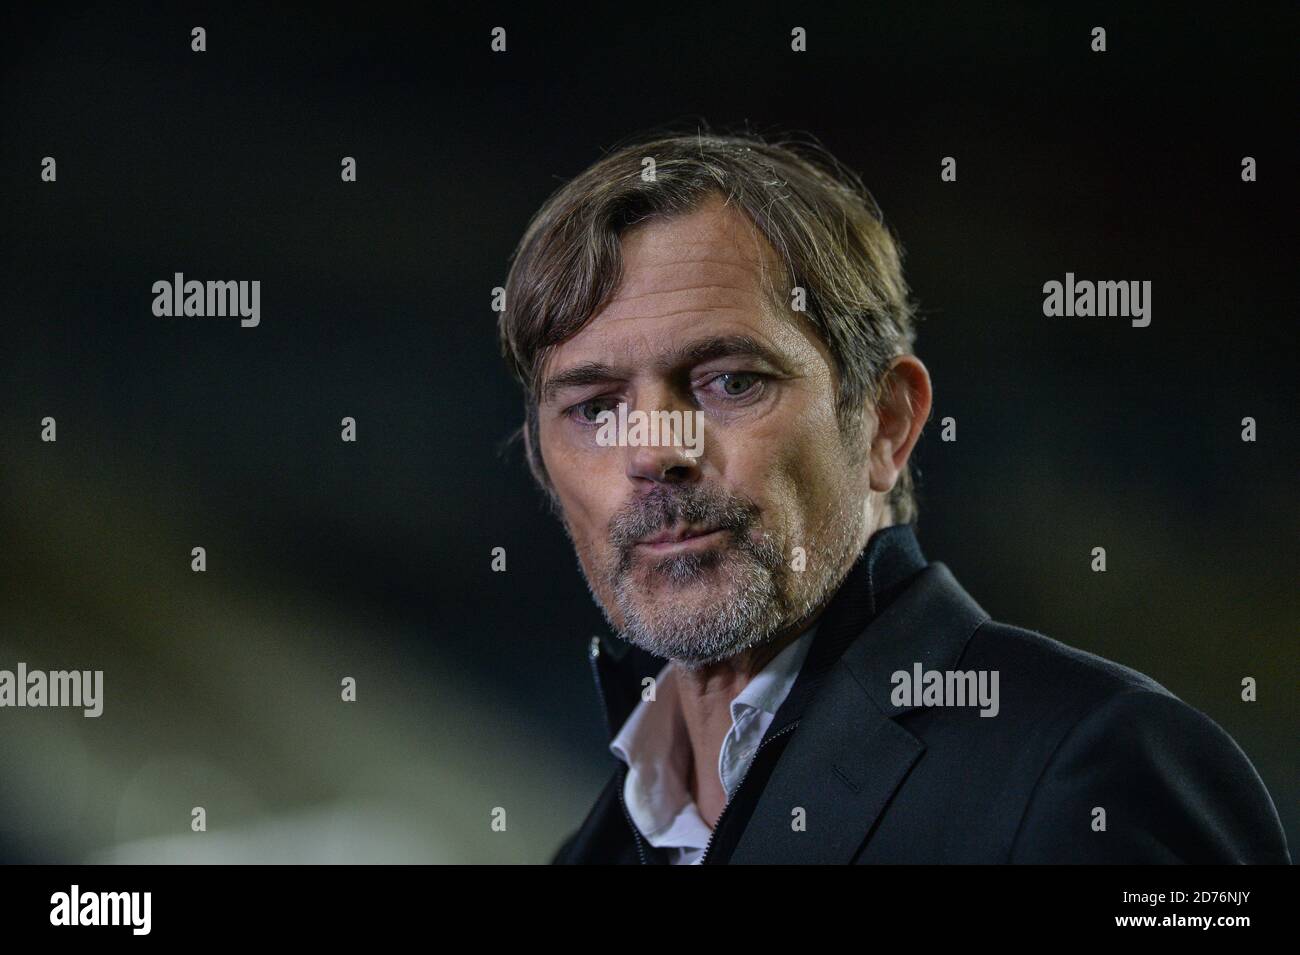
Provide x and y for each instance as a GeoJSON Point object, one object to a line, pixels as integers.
{"type": "Point", "coordinates": [793, 681]}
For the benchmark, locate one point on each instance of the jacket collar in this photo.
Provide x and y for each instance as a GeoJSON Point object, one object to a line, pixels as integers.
{"type": "Point", "coordinates": [849, 754]}
{"type": "Point", "coordinates": [890, 559]}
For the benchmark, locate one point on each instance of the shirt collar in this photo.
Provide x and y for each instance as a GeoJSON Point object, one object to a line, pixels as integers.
{"type": "Point", "coordinates": [654, 745]}
{"type": "Point", "coordinates": [771, 685]}
{"type": "Point", "coordinates": [653, 742]}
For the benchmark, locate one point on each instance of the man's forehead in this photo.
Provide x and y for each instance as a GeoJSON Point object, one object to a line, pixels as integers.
{"type": "Point", "coordinates": [656, 300]}
{"type": "Point", "coordinates": [663, 349]}
{"type": "Point", "coordinates": [688, 278]}
{"type": "Point", "coordinates": [714, 228]}
{"type": "Point", "coordinates": [714, 243]}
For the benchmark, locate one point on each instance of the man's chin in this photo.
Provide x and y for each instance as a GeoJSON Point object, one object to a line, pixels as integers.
{"type": "Point", "coordinates": [697, 621]}
{"type": "Point", "coordinates": [693, 635]}
{"type": "Point", "coordinates": [677, 606]}
{"type": "Point", "coordinates": [679, 572]}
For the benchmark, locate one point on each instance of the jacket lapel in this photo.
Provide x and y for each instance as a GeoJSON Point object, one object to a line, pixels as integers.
{"type": "Point", "coordinates": [848, 755]}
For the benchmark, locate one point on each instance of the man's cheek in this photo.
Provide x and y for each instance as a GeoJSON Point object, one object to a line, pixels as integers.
{"type": "Point", "coordinates": [587, 513]}
{"type": "Point", "coordinates": [763, 473]}
{"type": "Point", "coordinates": [790, 481]}
{"type": "Point", "coordinates": [571, 481]}
{"type": "Point", "coordinates": [583, 497]}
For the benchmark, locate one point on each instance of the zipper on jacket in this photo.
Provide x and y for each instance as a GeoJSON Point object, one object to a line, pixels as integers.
{"type": "Point", "coordinates": [723, 815]}
{"type": "Point", "coordinates": [594, 655]}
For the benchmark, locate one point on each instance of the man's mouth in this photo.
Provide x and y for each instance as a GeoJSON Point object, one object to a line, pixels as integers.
{"type": "Point", "coordinates": [681, 537]}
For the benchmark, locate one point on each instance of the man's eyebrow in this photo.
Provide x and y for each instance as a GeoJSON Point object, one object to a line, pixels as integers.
{"type": "Point", "coordinates": [588, 373]}
{"type": "Point", "coordinates": [692, 353]}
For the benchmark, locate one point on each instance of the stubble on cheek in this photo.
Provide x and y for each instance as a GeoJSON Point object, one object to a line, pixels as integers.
{"type": "Point", "coordinates": [596, 560]}
{"type": "Point", "coordinates": [578, 492]}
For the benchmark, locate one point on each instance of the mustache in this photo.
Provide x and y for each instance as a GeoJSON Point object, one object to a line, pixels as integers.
{"type": "Point", "coordinates": [664, 507]}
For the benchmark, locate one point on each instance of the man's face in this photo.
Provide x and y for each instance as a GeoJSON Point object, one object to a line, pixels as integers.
{"type": "Point", "coordinates": [696, 558]}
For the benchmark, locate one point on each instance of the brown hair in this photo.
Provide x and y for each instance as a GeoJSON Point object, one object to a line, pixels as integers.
{"type": "Point", "coordinates": [816, 214]}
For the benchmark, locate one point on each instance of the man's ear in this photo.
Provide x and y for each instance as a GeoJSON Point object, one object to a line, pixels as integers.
{"type": "Point", "coordinates": [902, 408]}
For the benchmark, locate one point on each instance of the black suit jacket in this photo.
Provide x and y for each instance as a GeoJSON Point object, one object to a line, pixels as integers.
{"type": "Point", "coordinates": [883, 783]}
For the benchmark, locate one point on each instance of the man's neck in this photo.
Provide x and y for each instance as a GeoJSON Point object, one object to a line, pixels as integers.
{"type": "Point", "coordinates": [705, 695]}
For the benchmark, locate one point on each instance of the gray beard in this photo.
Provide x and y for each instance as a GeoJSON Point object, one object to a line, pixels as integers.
{"type": "Point", "coordinates": [755, 593]}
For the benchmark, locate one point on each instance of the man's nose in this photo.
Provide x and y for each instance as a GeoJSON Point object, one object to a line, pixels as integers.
{"type": "Point", "coordinates": [648, 466]}
{"type": "Point", "coordinates": [668, 463]}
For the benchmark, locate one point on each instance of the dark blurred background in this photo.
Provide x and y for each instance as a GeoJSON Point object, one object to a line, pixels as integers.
{"type": "Point", "coordinates": [372, 559]}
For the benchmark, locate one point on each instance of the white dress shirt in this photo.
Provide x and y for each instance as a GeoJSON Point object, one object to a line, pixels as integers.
{"type": "Point", "coordinates": [654, 744]}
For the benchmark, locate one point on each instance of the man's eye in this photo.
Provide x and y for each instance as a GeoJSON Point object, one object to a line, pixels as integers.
{"type": "Point", "coordinates": [588, 411]}
{"type": "Point", "coordinates": [737, 384]}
